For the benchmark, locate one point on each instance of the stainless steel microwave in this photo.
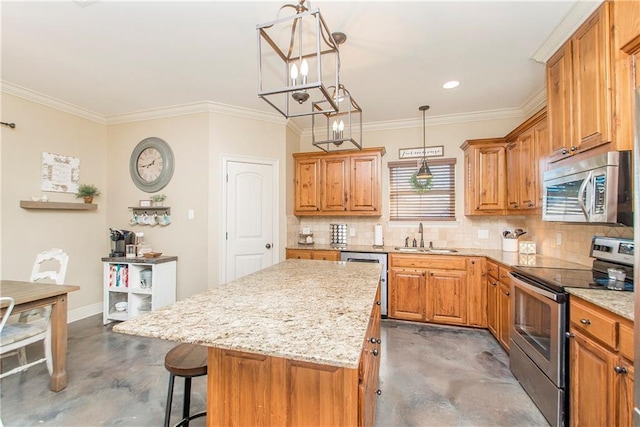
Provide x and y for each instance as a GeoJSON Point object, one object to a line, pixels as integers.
{"type": "Point", "coordinates": [597, 189]}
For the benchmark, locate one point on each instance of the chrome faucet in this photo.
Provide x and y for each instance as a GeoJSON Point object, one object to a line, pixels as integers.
{"type": "Point", "coordinates": [430, 245]}
{"type": "Point", "coordinates": [421, 231]}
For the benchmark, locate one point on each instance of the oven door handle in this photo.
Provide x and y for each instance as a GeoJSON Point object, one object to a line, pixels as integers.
{"type": "Point", "coordinates": [532, 288]}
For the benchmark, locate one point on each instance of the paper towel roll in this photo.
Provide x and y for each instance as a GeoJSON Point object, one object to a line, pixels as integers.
{"type": "Point", "coordinates": [377, 236]}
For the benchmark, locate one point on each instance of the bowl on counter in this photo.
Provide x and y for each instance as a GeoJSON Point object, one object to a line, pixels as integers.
{"type": "Point", "coordinates": [121, 306]}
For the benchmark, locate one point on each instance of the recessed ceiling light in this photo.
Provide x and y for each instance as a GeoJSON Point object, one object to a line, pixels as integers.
{"type": "Point", "coordinates": [451, 84]}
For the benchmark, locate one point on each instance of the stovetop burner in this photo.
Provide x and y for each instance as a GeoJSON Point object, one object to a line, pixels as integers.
{"type": "Point", "coordinates": [608, 253]}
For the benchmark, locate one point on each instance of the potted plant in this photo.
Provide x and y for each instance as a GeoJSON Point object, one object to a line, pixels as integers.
{"type": "Point", "coordinates": [158, 199]}
{"type": "Point", "coordinates": [87, 192]}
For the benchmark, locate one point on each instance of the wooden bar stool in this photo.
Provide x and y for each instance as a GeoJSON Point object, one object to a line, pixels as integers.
{"type": "Point", "coordinates": [187, 361]}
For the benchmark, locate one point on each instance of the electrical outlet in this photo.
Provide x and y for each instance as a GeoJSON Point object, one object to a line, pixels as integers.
{"type": "Point", "coordinates": [558, 239]}
{"type": "Point", "coordinates": [191, 214]}
{"type": "Point", "coordinates": [483, 234]}
{"type": "Point", "coordinates": [352, 232]}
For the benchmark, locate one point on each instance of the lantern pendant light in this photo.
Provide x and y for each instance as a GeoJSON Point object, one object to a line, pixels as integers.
{"type": "Point", "coordinates": [424, 172]}
{"type": "Point", "coordinates": [330, 130]}
{"type": "Point", "coordinates": [298, 60]}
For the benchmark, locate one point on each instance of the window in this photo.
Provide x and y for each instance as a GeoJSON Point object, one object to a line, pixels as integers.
{"type": "Point", "coordinates": [435, 204]}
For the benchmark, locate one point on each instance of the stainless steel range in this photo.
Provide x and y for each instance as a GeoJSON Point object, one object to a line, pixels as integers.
{"type": "Point", "coordinates": [539, 351]}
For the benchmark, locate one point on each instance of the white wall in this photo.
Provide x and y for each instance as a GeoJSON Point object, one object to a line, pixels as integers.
{"type": "Point", "coordinates": [25, 233]}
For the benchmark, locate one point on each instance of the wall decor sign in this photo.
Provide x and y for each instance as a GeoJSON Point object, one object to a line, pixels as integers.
{"type": "Point", "coordinates": [60, 173]}
{"type": "Point", "coordinates": [412, 153]}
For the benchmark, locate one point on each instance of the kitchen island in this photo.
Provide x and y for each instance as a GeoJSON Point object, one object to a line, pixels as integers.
{"type": "Point", "coordinates": [294, 344]}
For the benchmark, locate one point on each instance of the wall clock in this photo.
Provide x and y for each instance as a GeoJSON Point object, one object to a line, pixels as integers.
{"type": "Point", "coordinates": [151, 164]}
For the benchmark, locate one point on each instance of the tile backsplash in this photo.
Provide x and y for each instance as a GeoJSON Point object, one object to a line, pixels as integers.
{"type": "Point", "coordinates": [559, 240]}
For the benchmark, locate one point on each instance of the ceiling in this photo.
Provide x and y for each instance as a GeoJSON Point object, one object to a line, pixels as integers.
{"type": "Point", "coordinates": [113, 58]}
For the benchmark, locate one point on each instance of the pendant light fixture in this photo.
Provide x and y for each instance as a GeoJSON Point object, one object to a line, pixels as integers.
{"type": "Point", "coordinates": [423, 168]}
{"type": "Point", "coordinates": [330, 130]}
{"type": "Point", "coordinates": [298, 60]}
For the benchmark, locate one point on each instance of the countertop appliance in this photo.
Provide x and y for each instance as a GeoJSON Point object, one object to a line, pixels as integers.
{"type": "Point", "coordinates": [119, 241]}
{"type": "Point", "coordinates": [375, 257]}
{"type": "Point", "coordinates": [539, 350]}
{"type": "Point", "coordinates": [593, 190]}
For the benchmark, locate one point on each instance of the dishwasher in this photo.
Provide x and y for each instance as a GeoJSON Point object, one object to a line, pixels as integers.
{"type": "Point", "coordinates": [375, 257]}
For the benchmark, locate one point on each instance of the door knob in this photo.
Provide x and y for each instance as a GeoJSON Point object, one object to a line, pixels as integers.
{"type": "Point", "coordinates": [268, 246]}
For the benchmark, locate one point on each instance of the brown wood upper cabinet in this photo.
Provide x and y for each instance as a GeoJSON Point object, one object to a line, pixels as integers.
{"type": "Point", "coordinates": [527, 153]}
{"type": "Point", "coordinates": [484, 176]}
{"type": "Point", "coordinates": [343, 183]}
{"type": "Point", "coordinates": [579, 87]}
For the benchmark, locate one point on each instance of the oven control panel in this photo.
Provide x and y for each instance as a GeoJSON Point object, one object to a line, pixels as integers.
{"type": "Point", "coordinates": [613, 249]}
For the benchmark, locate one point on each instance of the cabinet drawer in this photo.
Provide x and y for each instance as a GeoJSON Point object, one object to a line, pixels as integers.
{"type": "Point", "coordinates": [626, 340]}
{"type": "Point", "coordinates": [429, 261]}
{"type": "Point", "coordinates": [597, 324]}
{"type": "Point", "coordinates": [503, 274]}
{"type": "Point", "coordinates": [492, 269]}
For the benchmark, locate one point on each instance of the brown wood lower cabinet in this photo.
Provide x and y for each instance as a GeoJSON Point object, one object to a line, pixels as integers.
{"type": "Point", "coordinates": [439, 289]}
{"type": "Point", "coordinates": [326, 255]}
{"type": "Point", "coordinates": [601, 368]}
{"type": "Point", "coordinates": [258, 390]}
{"type": "Point", "coordinates": [498, 302]}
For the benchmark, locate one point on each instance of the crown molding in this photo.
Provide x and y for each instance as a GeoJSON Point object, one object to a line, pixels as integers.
{"type": "Point", "coordinates": [535, 103]}
{"type": "Point", "coordinates": [47, 101]}
{"type": "Point", "coordinates": [194, 108]}
{"type": "Point", "coordinates": [576, 16]}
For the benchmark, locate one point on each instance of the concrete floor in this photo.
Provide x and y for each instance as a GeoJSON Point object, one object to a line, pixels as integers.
{"type": "Point", "coordinates": [430, 376]}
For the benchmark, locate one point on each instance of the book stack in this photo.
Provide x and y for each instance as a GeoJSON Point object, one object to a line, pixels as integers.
{"type": "Point", "coordinates": [118, 276]}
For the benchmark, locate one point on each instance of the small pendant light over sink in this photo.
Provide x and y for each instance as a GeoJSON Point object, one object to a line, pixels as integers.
{"type": "Point", "coordinates": [424, 172]}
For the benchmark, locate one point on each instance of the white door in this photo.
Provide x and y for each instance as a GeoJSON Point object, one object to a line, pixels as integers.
{"type": "Point", "coordinates": [249, 217]}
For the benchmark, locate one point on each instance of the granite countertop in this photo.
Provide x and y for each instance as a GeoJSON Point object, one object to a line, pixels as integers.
{"type": "Point", "coordinates": [305, 310]}
{"type": "Point", "coordinates": [620, 303]}
{"type": "Point", "coordinates": [510, 259]}
{"type": "Point", "coordinates": [141, 260]}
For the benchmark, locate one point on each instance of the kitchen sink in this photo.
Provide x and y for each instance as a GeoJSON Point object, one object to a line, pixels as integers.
{"type": "Point", "coordinates": [424, 250]}
{"type": "Point", "coordinates": [409, 249]}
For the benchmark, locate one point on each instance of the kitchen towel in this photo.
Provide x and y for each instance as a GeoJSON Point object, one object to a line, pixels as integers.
{"type": "Point", "coordinates": [377, 236]}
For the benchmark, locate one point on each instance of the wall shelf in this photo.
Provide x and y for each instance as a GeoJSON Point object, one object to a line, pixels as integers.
{"type": "Point", "coordinates": [152, 209]}
{"type": "Point", "coordinates": [27, 204]}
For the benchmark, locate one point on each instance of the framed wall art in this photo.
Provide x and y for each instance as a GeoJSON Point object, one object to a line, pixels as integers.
{"type": "Point", "coordinates": [60, 173]}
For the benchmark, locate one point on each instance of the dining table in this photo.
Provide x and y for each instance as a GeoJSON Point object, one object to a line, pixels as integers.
{"type": "Point", "coordinates": [31, 295]}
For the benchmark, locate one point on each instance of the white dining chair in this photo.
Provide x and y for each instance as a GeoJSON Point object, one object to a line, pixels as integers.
{"type": "Point", "coordinates": [16, 336]}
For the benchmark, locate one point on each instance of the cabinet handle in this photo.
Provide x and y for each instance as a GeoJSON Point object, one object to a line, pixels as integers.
{"type": "Point", "coordinates": [378, 392]}
{"type": "Point", "coordinates": [503, 276]}
{"type": "Point", "coordinates": [375, 340]}
{"type": "Point", "coordinates": [374, 352]}
{"type": "Point", "coordinates": [514, 205]}
{"type": "Point", "coordinates": [620, 370]}
{"type": "Point", "coordinates": [574, 148]}
{"type": "Point", "coordinates": [507, 293]}
{"type": "Point", "coordinates": [377, 302]}
{"type": "Point", "coordinates": [494, 283]}
{"type": "Point", "coordinates": [473, 262]}
{"type": "Point", "coordinates": [530, 204]}
{"type": "Point", "coordinates": [585, 321]}
{"type": "Point", "coordinates": [430, 274]}
{"type": "Point", "coordinates": [564, 151]}
{"type": "Point", "coordinates": [569, 335]}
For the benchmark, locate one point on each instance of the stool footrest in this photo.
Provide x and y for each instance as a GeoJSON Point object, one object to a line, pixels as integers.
{"type": "Point", "coordinates": [184, 421]}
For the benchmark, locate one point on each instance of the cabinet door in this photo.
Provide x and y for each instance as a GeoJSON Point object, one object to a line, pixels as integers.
{"type": "Point", "coordinates": [591, 394]}
{"type": "Point", "coordinates": [307, 185]}
{"type": "Point", "coordinates": [365, 183]}
{"type": "Point", "coordinates": [542, 153]}
{"type": "Point", "coordinates": [528, 170]}
{"type": "Point", "coordinates": [477, 292]}
{"type": "Point", "coordinates": [407, 294]}
{"type": "Point", "coordinates": [624, 390]}
{"type": "Point", "coordinates": [513, 175]}
{"type": "Point", "coordinates": [492, 305]}
{"type": "Point", "coordinates": [490, 178]}
{"type": "Point", "coordinates": [335, 184]}
{"type": "Point", "coordinates": [559, 102]}
{"type": "Point", "coordinates": [299, 254]}
{"type": "Point", "coordinates": [447, 297]}
{"type": "Point", "coordinates": [592, 81]}
{"type": "Point", "coordinates": [504, 314]}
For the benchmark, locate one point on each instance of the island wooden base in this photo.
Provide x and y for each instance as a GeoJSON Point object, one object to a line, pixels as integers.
{"type": "Point", "coordinates": [254, 390]}
{"type": "Point", "coordinates": [246, 389]}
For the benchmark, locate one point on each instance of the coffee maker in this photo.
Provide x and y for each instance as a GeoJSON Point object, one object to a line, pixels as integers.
{"type": "Point", "coordinates": [119, 241]}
